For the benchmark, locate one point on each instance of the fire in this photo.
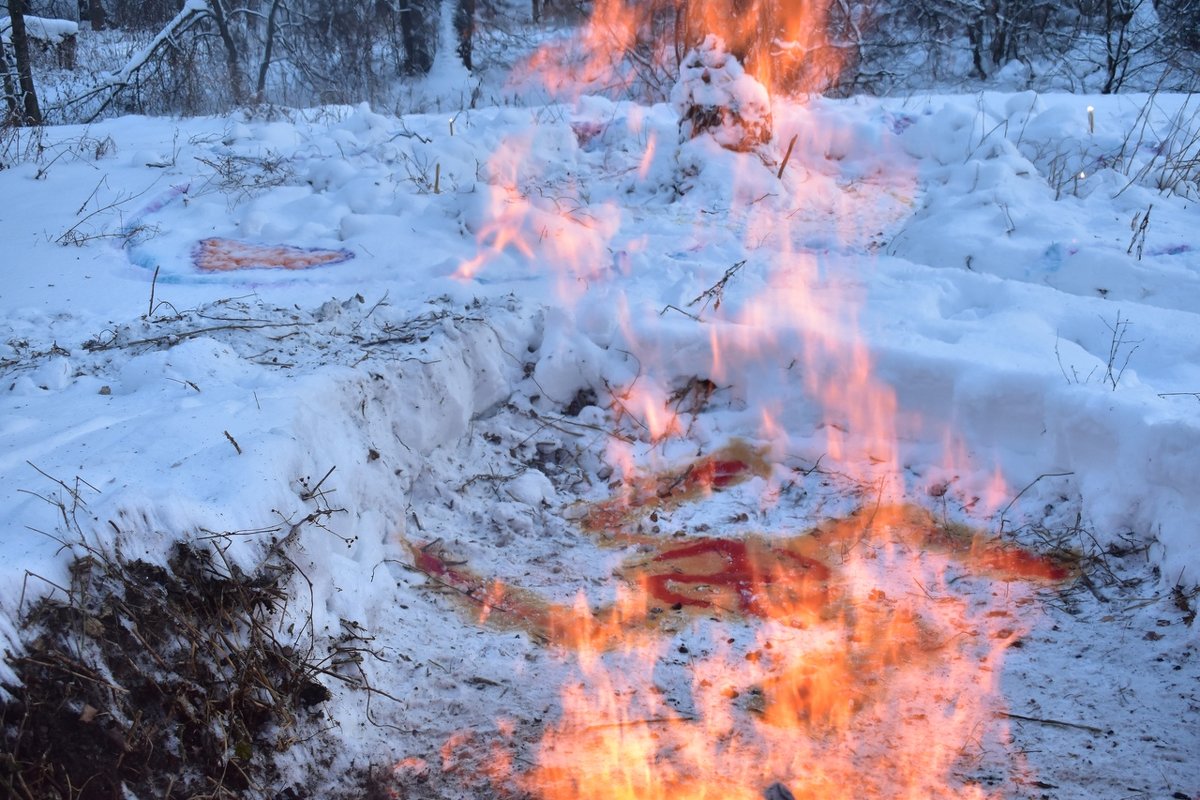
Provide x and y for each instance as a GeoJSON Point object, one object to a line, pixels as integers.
{"type": "Point", "coordinates": [858, 657]}
{"type": "Point", "coordinates": [522, 224]}
{"type": "Point", "coordinates": [790, 46]}
{"type": "Point", "coordinates": [865, 674]}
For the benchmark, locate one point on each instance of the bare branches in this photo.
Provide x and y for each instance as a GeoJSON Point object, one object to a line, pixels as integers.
{"type": "Point", "coordinates": [1139, 226]}
{"type": "Point", "coordinates": [716, 293]}
{"type": "Point", "coordinates": [193, 11]}
{"type": "Point", "coordinates": [78, 234]}
{"type": "Point", "coordinates": [1121, 349]}
{"type": "Point", "coordinates": [1120, 352]}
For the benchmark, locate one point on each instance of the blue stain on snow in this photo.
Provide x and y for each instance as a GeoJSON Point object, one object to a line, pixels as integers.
{"type": "Point", "coordinates": [128, 232]}
{"type": "Point", "coordinates": [1053, 258]}
{"type": "Point", "coordinates": [127, 240]}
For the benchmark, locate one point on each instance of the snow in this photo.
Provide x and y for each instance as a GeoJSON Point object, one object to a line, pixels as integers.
{"type": "Point", "coordinates": [978, 248]}
{"type": "Point", "coordinates": [50, 31]}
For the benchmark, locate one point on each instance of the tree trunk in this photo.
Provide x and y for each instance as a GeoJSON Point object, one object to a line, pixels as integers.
{"type": "Point", "coordinates": [10, 88]}
{"type": "Point", "coordinates": [418, 50]}
{"type": "Point", "coordinates": [96, 15]}
{"type": "Point", "coordinates": [29, 113]}
{"type": "Point", "coordinates": [464, 26]}
{"type": "Point", "coordinates": [1117, 16]}
{"type": "Point", "coordinates": [233, 56]}
{"type": "Point", "coordinates": [260, 91]}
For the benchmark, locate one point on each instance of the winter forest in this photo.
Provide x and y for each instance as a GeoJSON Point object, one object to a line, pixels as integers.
{"type": "Point", "coordinates": [161, 57]}
{"type": "Point", "coordinates": [599, 399]}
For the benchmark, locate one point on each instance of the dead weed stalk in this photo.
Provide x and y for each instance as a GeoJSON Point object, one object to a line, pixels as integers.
{"type": "Point", "coordinates": [150, 680]}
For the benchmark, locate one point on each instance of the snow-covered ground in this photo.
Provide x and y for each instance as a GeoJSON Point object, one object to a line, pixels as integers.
{"type": "Point", "coordinates": [987, 305]}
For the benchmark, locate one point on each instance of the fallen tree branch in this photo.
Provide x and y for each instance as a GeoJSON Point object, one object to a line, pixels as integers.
{"type": "Point", "coordinates": [1029, 486]}
{"type": "Point", "coordinates": [173, 338]}
{"type": "Point", "coordinates": [716, 292]}
{"type": "Point", "coordinates": [192, 12]}
{"type": "Point", "coordinates": [1054, 722]}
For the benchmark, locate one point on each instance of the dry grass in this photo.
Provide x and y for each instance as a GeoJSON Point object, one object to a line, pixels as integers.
{"type": "Point", "coordinates": [160, 681]}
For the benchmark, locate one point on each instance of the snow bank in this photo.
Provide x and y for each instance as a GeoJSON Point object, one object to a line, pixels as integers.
{"type": "Point", "coordinates": [42, 29]}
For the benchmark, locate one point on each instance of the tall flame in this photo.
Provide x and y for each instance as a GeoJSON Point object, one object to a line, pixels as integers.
{"type": "Point", "coordinates": [627, 45]}
{"type": "Point", "coordinates": [874, 679]}
{"type": "Point", "coordinates": [857, 659]}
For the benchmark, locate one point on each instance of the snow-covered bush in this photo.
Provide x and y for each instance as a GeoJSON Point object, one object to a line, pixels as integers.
{"type": "Point", "coordinates": [714, 95]}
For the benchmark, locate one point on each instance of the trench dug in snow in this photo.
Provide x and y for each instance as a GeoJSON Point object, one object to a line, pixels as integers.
{"type": "Point", "coordinates": [503, 519]}
{"type": "Point", "coordinates": [475, 513]}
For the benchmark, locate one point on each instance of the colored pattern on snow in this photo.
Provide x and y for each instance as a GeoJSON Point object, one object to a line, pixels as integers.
{"type": "Point", "coordinates": [227, 255]}
{"type": "Point", "coordinates": [749, 576]}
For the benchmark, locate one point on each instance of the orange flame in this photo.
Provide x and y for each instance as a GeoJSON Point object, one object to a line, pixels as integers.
{"type": "Point", "coordinates": [859, 659]}
{"type": "Point", "coordinates": [629, 46]}
{"type": "Point", "coordinates": [861, 685]}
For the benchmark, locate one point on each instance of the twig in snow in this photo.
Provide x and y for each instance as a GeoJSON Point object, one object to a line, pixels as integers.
{"type": "Point", "coordinates": [1139, 225]}
{"type": "Point", "coordinates": [174, 338]}
{"type": "Point", "coordinates": [716, 292]}
{"type": "Point", "coordinates": [1120, 334]}
{"type": "Point", "coordinates": [232, 441]}
{"type": "Point", "coordinates": [551, 422]}
{"type": "Point", "coordinates": [73, 235]}
{"type": "Point", "coordinates": [1029, 486]}
{"type": "Point", "coordinates": [670, 307]}
{"type": "Point", "coordinates": [787, 156]}
{"type": "Point", "coordinates": [309, 494]}
{"type": "Point", "coordinates": [1055, 722]}
{"type": "Point", "coordinates": [153, 284]}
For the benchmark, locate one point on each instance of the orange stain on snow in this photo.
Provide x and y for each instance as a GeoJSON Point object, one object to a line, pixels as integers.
{"type": "Point", "coordinates": [227, 255]}
{"type": "Point", "coordinates": [866, 674]}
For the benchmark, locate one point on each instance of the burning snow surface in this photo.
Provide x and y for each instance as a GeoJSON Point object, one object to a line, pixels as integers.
{"type": "Point", "coordinates": [617, 461]}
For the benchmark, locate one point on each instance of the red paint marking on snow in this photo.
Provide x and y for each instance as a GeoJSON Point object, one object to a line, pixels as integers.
{"type": "Point", "coordinates": [515, 605]}
{"type": "Point", "coordinates": [749, 575]}
{"type": "Point", "coordinates": [752, 576]}
{"type": "Point", "coordinates": [717, 474]}
{"type": "Point", "coordinates": [734, 464]}
{"type": "Point", "coordinates": [227, 255]}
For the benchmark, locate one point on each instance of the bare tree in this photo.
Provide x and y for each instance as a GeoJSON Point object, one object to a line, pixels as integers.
{"type": "Point", "coordinates": [260, 89]}
{"type": "Point", "coordinates": [220, 13]}
{"type": "Point", "coordinates": [464, 27]}
{"type": "Point", "coordinates": [28, 112]}
{"type": "Point", "coordinates": [96, 15]}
